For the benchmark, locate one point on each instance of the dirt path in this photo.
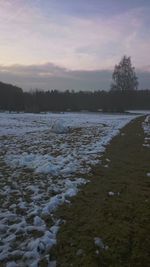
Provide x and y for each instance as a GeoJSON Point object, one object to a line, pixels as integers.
{"type": "Point", "coordinates": [122, 220]}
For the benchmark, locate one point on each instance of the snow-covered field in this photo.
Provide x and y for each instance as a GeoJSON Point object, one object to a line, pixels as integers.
{"type": "Point", "coordinates": [41, 169]}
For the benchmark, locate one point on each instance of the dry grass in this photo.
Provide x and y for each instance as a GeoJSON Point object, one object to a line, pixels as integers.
{"type": "Point", "coordinates": [121, 221]}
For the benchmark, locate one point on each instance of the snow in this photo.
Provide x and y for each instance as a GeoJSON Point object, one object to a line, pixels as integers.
{"type": "Point", "coordinates": [59, 127]}
{"type": "Point", "coordinates": [142, 112]}
{"type": "Point", "coordinates": [111, 193]}
{"type": "Point", "coordinates": [38, 221]}
{"type": "Point", "coordinates": [41, 169]}
{"type": "Point", "coordinates": [146, 128]}
{"type": "Point", "coordinates": [99, 243]}
{"type": "Point", "coordinates": [59, 199]}
{"type": "Point", "coordinates": [11, 264]}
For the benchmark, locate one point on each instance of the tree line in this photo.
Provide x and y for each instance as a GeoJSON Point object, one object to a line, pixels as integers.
{"type": "Point", "coordinates": [13, 98]}
{"type": "Point", "coordinates": [122, 96]}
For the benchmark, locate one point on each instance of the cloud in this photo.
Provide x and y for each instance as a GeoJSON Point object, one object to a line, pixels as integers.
{"type": "Point", "coordinates": [30, 35]}
{"type": "Point", "coordinates": [83, 49]}
{"type": "Point", "coordinates": [144, 78]}
{"type": "Point", "coordinates": [49, 76]}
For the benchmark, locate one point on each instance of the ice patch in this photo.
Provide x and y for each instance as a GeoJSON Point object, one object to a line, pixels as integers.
{"type": "Point", "coordinates": [59, 127]}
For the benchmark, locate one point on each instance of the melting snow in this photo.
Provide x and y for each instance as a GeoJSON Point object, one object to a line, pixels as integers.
{"type": "Point", "coordinates": [146, 128]}
{"type": "Point", "coordinates": [111, 193]}
{"type": "Point", "coordinates": [99, 243]}
{"type": "Point", "coordinates": [41, 170]}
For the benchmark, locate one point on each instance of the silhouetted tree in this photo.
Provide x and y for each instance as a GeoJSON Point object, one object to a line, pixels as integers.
{"type": "Point", "coordinates": [124, 76]}
{"type": "Point", "coordinates": [125, 82]}
{"type": "Point", "coordinates": [11, 97]}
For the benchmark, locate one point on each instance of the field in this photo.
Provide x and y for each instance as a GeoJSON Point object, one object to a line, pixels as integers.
{"type": "Point", "coordinates": [107, 224]}
{"type": "Point", "coordinates": [40, 170]}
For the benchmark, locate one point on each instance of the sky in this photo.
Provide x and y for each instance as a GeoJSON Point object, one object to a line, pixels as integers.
{"type": "Point", "coordinates": [66, 44]}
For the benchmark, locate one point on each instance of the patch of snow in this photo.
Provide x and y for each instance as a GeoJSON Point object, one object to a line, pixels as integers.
{"type": "Point", "coordinates": [59, 199]}
{"type": "Point", "coordinates": [106, 165]}
{"type": "Point", "coordinates": [80, 252]}
{"type": "Point", "coordinates": [111, 193]}
{"type": "Point", "coordinates": [11, 264]}
{"type": "Point", "coordinates": [38, 221]}
{"type": "Point", "coordinates": [142, 112]}
{"type": "Point", "coordinates": [99, 243]}
{"type": "Point", "coordinates": [146, 128]}
{"type": "Point", "coordinates": [41, 170]}
{"type": "Point", "coordinates": [59, 127]}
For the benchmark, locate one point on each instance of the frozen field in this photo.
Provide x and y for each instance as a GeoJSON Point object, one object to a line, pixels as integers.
{"type": "Point", "coordinates": [41, 169]}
